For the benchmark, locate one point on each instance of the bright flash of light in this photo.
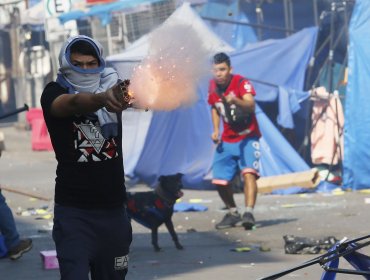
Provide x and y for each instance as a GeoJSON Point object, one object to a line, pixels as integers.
{"type": "Point", "coordinates": [167, 78]}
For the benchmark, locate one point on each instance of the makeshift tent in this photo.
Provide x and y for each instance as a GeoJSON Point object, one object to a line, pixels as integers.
{"type": "Point", "coordinates": [179, 141]}
{"type": "Point", "coordinates": [238, 35]}
{"type": "Point", "coordinates": [357, 114]}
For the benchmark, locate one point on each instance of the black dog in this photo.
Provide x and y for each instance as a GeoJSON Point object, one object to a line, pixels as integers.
{"type": "Point", "coordinates": [153, 208]}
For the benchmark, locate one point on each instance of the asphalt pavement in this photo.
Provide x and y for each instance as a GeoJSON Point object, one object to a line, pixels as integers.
{"type": "Point", "coordinates": [27, 179]}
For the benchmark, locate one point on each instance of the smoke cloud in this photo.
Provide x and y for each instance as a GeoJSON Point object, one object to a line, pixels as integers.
{"type": "Point", "coordinates": [167, 78]}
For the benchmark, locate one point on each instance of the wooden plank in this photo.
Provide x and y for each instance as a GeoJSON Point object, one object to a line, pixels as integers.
{"type": "Point", "coordinates": [33, 195]}
{"type": "Point", "coordinates": [305, 179]}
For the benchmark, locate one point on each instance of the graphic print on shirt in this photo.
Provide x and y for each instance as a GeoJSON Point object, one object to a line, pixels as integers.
{"type": "Point", "coordinates": [90, 144]}
{"type": "Point", "coordinates": [220, 106]}
{"type": "Point", "coordinates": [221, 110]}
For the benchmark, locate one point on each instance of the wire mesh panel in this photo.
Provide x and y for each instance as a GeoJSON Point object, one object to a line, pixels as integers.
{"type": "Point", "coordinates": [127, 26]}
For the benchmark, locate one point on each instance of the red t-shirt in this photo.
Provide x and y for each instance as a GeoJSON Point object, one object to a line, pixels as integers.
{"type": "Point", "coordinates": [239, 86]}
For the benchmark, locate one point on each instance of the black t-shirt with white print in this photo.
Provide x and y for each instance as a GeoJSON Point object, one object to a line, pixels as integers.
{"type": "Point", "coordinates": [90, 168]}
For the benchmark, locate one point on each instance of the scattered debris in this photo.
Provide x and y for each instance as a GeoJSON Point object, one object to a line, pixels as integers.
{"type": "Point", "coordinates": [305, 245]}
{"type": "Point", "coordinates": [49, 259]}
{"type": "Point", "coordinates": [264, 248]}
{"type": "Point", "coordinates": [305, 204]}
{"type": "Point", "coordinates": [43, 213]}
{"type": "Point", "coordinates": [241, 249]}
{"type": "Point", "coordinates": [249, 247]}
{"type": "Point", "coordinates": [45, 217]}
{"type": "Point", "coordinates": [200, 200]}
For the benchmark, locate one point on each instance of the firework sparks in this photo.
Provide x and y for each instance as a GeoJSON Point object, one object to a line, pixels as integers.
{"type": "Point", "coordinates": [167, 78]}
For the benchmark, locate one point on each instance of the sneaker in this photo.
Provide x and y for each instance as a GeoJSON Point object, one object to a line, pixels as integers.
{"type": "Point", "coordinates": [229, 220]}
{"type": "Point", "coordinates": [24, 246]}
{"type": "Point", "coordinates": [248, 220]}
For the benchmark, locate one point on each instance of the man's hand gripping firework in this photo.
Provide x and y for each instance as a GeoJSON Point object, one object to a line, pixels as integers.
{"type": "Point", "coordinates": [119, 95]}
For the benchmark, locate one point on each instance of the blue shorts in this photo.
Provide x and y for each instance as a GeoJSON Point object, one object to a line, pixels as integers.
{"type": "Point", "coordinates": [231, 158]}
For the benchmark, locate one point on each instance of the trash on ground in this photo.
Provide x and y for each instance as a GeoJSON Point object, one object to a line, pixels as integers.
{"type": "Point", "coordinates": [186, 207]}
{"type": "Point", "coordinates": [241, 249]}
{"type": "Point", "coordinates": [34, 211]}
{"type": "Point", "coordinates": [45, 217]}
{"type": "Point", "coordinates": [49, 259]}
{"type": "Point", "coordinates": [305, 245]}
{"type": "Point", "coordinates": [264, 248]}
{"type": "Point", "coordinates": [200, 200]}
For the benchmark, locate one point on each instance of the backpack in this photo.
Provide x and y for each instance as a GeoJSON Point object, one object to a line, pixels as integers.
{"type": "Point", "coordinates": [237, 117]}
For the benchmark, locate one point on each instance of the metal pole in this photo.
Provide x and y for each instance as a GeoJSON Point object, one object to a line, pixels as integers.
{"type": "Point", "coordinates": [346, 22]}
{"type": "Point", "coordinates": [340, 251]}
{"type": "Point", "coordinates": [338, 143]}
{"type": "Point", "coordinates": [109, 39]}
{"type": "Point", "coordinates": [18, 77]}
{"type": "Point", "coordinates": [259, 26]}
{"type": "Point", "coordinates": [16, 111]}
{"type": "Point", "coordinates": [291, 13]}
{"type": "Point", "coordinates": [13, 190]}
{"type": "Point", "coordinates": [286, 17]}
{"type": "Point", "coordinates": [259, 20]}
{"type": "Point", "coordinates": [126, 41]}
{"type": "Point", "coordinates": [331, 50]}
{"type": "Point", "coordinates": [315, 13]}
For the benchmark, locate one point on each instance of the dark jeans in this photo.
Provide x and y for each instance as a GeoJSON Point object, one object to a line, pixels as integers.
{"type": "Point", "coordinates": [95, 241]}
{"type": "Point", "coordinates": [7, 224]}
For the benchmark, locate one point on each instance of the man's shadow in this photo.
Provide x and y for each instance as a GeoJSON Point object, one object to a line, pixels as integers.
{"type": "Point", "coordinates": [272, 222]}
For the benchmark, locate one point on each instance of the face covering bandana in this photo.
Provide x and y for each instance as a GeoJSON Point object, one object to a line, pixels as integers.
{"type": "Point", "coordinates": [95, 80]}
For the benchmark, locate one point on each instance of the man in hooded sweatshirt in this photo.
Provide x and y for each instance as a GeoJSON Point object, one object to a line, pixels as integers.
{"type": "Point", "coordinates": [82, 111]}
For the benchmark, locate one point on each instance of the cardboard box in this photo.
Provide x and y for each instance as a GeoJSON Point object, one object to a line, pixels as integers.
{"type": "Point", "coordinates": [49, 259]}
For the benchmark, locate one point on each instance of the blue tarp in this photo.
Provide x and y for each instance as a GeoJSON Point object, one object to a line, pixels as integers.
{"type": "Point", "coordinates": [237, 35]}
{"type": "Point", "coordinates": [162, 143]}
{"type": "Point", "coordinates": [277, 70]}
{"type": "Point", "coordinates": [277, 155]}
{"type": "Point", "coordinates": [179, 141]}
{"type": "Point", "coordinates": [356, 168]}
{"type": "Point", "coordinates": [104, 11]}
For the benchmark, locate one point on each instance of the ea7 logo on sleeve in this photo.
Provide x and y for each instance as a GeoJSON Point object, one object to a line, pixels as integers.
{"type": "Point", "coordinates": [121, 262]}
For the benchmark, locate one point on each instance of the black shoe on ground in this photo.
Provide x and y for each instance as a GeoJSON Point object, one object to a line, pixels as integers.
{"type": "Point", "coordinates": [229, 220]}
{"type": "Point", "coordinates": [248, 221]}
{"type": "Point", "coordinates": [24, 246]}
